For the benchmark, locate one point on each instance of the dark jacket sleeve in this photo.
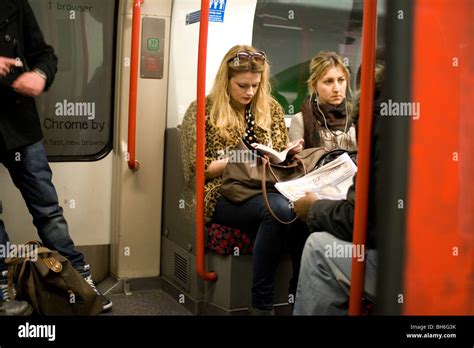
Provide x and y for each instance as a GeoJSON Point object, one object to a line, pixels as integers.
{"type": "Point", "coordinates": [37, 53]}
{"type": "Point", "coordinates": [335, 217]}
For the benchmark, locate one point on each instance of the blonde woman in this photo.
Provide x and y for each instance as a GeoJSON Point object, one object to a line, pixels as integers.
{"type": "Point", "coordinates": [324, 119]}
{"type": "Point", "coordinates": [240, 106]}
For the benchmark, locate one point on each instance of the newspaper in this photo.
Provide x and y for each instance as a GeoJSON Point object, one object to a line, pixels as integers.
{"type": "Point", "coordinates": [330, 181]}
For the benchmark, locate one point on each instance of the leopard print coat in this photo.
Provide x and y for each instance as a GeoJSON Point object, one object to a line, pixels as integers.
{"type": "Point", "coordinates": [216, 145]}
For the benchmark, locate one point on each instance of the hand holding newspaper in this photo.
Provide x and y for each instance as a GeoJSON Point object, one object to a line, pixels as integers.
{"type": "Point", "coordinates": [330, 181]}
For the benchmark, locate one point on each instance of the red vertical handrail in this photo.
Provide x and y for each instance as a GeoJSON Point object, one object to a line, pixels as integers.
{"type": "Point", "coordinates": [133, 164]}
{"type": "Point", "coordinates": [201, 143]}
{"type": "Point", "coordinates": [369, 32]}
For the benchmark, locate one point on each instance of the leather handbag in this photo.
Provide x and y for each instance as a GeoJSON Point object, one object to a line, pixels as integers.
{"type": "Point", "coordinates": [49, 282]}
{"type": "Point", "coordinates": [243, 179]}
{"type": "Point", "coordinates": [334, 154]}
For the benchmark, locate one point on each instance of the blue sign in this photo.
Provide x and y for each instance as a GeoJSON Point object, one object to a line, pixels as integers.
{"type": "Point", "coordinates": [217, 10]}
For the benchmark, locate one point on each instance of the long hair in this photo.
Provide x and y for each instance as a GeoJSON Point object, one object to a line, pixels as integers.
{"type": "Point", "coordinates": [224, 115]}
{"type": "Point", "coordinates": [318, 67]}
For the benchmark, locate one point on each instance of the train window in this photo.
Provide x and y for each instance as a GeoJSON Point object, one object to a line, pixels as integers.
{"type": "Point", "coordinates": [292, 32]}
{"type": "Point", "coordinates": [77, 112]}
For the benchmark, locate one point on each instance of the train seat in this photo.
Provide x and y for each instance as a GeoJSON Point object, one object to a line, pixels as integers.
{"type": "Point", "coordinates": [220, 239]}
{"type": "Point", "coordinates": [232, 262]}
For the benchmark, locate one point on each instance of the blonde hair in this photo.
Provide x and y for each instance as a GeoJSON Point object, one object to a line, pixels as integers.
{"type": "Point", "coordinates": [320, 65]}
{"type": "Point", "coordinates": [224, 116]}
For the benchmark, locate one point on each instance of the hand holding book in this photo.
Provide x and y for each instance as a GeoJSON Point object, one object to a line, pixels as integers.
{"type": "Point", "coordinates": [277, 157]}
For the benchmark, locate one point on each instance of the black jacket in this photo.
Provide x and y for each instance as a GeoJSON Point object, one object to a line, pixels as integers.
{"type": "Point", "coordinates": [337, 217]}
{"type": "Point", "coordinates": [20, 36]}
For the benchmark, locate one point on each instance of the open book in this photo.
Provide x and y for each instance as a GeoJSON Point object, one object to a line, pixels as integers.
{"type": "Point", "coordinates": [330, 181]}
{"type": "Point", "coordinates": [273, 155]}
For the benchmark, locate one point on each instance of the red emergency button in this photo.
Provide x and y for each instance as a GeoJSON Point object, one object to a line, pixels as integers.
{"type": "Point", "coordinates": [151, 63]}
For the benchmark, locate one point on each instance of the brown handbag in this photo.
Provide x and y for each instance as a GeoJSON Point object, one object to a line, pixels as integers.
{"type": "Point", "coordinates": [253, 174]}
{"type": "Point", "coordinates": [49, 282]}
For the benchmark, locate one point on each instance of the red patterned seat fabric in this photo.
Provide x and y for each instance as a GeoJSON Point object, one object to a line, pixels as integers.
{"type": "Point", "coordinates": [227, 240]}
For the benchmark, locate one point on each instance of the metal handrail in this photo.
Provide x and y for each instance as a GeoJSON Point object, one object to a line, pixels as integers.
{"type": "Point", "coordinates": [369, 33]}
{"type": "Point", "coordinates": [133, 164]}
{"type": "Point", "coordinates": [201, 143]}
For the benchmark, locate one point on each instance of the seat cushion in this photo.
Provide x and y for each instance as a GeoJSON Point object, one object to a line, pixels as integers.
{"type": "Point", "coordinates": [227, 240]}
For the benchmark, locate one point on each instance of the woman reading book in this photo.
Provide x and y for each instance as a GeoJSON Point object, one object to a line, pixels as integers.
{"type": "Point", "coordinates": [324, 118]}
{"type": "Point", "coordinates": [240, 106]}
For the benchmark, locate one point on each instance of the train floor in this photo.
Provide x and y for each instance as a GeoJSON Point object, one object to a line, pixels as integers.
{"type": "Point", "coordinates": [145, 302]}
{"type": "Point", "coordinates": [142, 296]}
{"type": "Point", "coordinates": [146, 297]}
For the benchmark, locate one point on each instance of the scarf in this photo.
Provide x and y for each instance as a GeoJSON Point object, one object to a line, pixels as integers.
{"type": "Point", "coordinates": [315, 119]}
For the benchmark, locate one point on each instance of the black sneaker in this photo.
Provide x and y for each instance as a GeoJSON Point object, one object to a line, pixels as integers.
{"type": "Point", "coordinates": [106, 303]}
{"type": "Point", "coordinates": [16, 308]}
{"type": "Point", "coordinates": [8, 306]}
{"type": "Point", "coordinates": [4, 295]}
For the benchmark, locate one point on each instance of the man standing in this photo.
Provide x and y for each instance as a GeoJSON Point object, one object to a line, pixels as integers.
{"type": "Point", "coordinates": [27, 68]}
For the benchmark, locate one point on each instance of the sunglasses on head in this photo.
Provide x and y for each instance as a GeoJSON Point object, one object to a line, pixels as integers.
{"type": "Point", "coordinates": [246, 56]}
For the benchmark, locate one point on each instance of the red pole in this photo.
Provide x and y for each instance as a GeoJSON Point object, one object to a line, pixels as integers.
{"type": "Point", "coordinates": [201, 143]}
{"type": "Point", "coordinates": [369, 32]}
{"type": "Point", "coordinates": [132, 104]}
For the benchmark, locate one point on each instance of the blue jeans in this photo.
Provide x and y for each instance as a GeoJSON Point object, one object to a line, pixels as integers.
{"type": "Point", "coordinates": [31, 174]}
{"type": "Point", "coordinates": [270, 237]}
